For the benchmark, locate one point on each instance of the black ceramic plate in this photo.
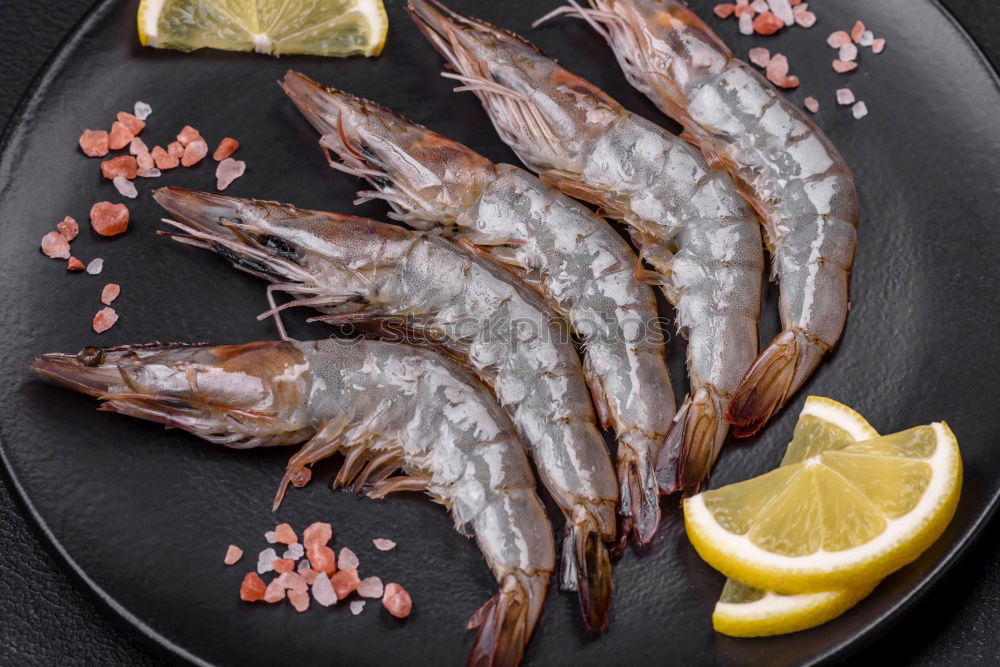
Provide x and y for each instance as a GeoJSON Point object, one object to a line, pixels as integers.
{"type": "Point", "coordinates": [144, 516]}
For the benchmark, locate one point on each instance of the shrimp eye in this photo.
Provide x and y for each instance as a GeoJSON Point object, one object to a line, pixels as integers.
{"type": "Point", "coordinates": [91, 356]}
{"type": "Point", "coordinates": [281, 247]}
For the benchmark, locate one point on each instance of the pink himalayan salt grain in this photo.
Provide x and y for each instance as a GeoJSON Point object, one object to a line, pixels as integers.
{"type": "Point", "coordinates": [859, 110]}
{"type": "Point", "coordinates": [382, 544]}
{"type": "Point", "coordinates": [759, 56]}
{"type": "Point", "coordinates": [318, 533]}
{"type": "Point", "coordinates": [299, 600]}
{"type": "Point", "coordinates": [322, 590]}
{"type": "Point", "coordinates": [163, 159]}
{"type": "Point", "coordinates": [357, 606]}
{"type": "Point", "coordinates": [95, 266]}
{"type": "Point", "coordinates": [309, 574]}
{"type": "Point", "coordinates": [345, 582]}
{"type": "Point", "coordinates": [743, 8]}
{"type": "Point", "coordinates": [68, 228]}
{"type": "Point", "coordinates": [292, 581]}
{"type": "Point", "coordinates": [252, 589]}
{"type": "Point", "coordinates": [187, 135]}
{"type": "Point", "coordinates": [294, 551]}
{"type": "Point", "coordinates": [724, 11]}
{"type": "Point", "coordinates": [108, 219]}
{"type": "Point", "coordinates": [783, 10]}
{"type": "Point", "coordinates": [795, 3]}
{"type": "Point", "coordinates": [194, 152]}
{"type": "Point", "coordinates": [857, 31]}
{"type": "Point", "coordinates": [269, 536]}
{"type": "Point", "coordinates": [867, 37]}
{"type": "Point", "coordinates": [55, 245]}
{"type": "Point", "coordinates": [105, 319]}
{"type": "Point", "coordinates": [265, 561]}
{"type": "Point", "coordinates": [133, 123]}
{"type": "Point", "coordinates": [370, 587]}
{"type": "Point", "coordinates": [148, 173]}
{"type": "Point", "coordinates": [844, 66]}
{"type": "Point", "coordinates": [120, 136]}
{"type": "Point", "coordinates": [878, 45]}
{"type": "Point", "coordinates": [137, 147]}
{"type": "Point", "coordinates": [321, 558]}
{"type": "Point", "coordinates": [233, 553]}
{"type": "Point", "coordinates": [226, 147]}
{"type": "Point", "coordinates": [275, 592]}
{"type": "Point", "coordinates": [838, 39]}
{"type": "Point", "coordinates": [811, 103]}
{"type": "Point", "coordinates": [397, 601]}
{"type": "Point", "coordinates": [284, 534]}
{"type": "Point", "coordinates": [176, 149]}
{"type": "Point", "coordinates": [228, 171]}
{"type": "Point", "coordinates": [845, 96]}
{"type": "Point", "coordinates": [74, 264]}
{"type": "Point", "coordinates": [803, 16]}
{"type": "Point", "coordinates": [124, 165]}
{"type": "Point", "coordinates": [94, 143]}
{"type": "Point", "coordinates": [848, 52]}
{"type": "Point", "coordinates": [767, 24]}
{"type": "Point", "coordinates": [790, 82]}
{"type": "Point", "coordinates": [759, 6]}
{"type": "Point", "coordinates": [348, 560]}
{"type": "Point", "coordinates": [125, 187]}
{"type": "Point", "coordinates": [144, 161]}
{"type": "Point", "coordinates": [142, 110]}
{"type": "Point", "coordinates": [109, 294]}
{"type": "Point", "coordinates": [283, 565]}
{"type": "Point", "coordinates": [746, 24]}
{"type": "Point", "coordinates": [777, 69]}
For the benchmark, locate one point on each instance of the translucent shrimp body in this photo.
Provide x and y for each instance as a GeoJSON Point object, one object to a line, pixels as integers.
{"type": "Point", "coordinates": [798, 182]}
{"type": "Point", "coordinates": [386, 407]}
{"type": "Point", "coordinates": [582, 267]}
{"type": "Point", "coordinates": [364, 272]}
{"type": "Point", "coordinates": [689, 221]}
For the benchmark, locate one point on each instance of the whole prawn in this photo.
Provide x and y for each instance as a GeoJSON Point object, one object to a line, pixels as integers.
{"type": "Point", "coordinates": [574, 258]}
{"type": "Point", "coordinates": [387, 407]}
{"type": "Point", "coordinates": [689, 221]}
{"type": "Point", "coordinates": [791, 172]}
{"type": "Point", "coordinates": [360, 271]}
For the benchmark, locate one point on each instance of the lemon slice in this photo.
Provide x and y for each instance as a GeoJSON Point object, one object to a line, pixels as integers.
{"type": "Point", "coordinates": [833, 519]}
{"type": "Point", "coordinates": [316, 27]}
{"type": "Point", "coordinates": [744, 611]}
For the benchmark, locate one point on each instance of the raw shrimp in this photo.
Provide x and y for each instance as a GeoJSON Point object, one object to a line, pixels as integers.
{"type": "Point", "coordinates": [689, 221]}
{"type": "Point", "coordinates": [574, 258]}
{"type": "Point", "coordinates": [360, 271]}
{"type": "Point", "coordinates": [798, 182]}
{"type": "Point", "coordinates": [386, 407]}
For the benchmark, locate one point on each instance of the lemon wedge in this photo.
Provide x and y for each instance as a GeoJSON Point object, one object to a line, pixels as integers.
{"type": "Point", "coordinates": [832, 519]}
{"type": "Point", "coordinates": [316, 27]}
{"type": "Point", "coordinates": [744, 611]}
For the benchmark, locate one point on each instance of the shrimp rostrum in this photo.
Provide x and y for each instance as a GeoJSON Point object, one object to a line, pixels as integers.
{"type": "Point", "coordinates": [361, 272]}
{"type": "Point", "coordinates": [791, 172]}
{"type": "Point", "coordinates": [689, 221]}
{"type": "Point", "coordinates": [387, 407]}
{"type": "Point", "coordinates": [574, 259]}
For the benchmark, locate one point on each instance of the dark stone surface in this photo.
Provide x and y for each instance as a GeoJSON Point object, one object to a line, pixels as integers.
{"type": "Point", "coordinates": [46, 618]}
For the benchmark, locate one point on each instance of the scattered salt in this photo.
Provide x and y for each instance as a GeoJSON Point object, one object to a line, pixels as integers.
{"type": "Point", "coordinates": [345, 582]}
{"type": "Point", "coordinates": [370, 587]}
{"type": "Point", "coordinates": [845, 96]}
{"type": "Point", "coordinates": [55, 245]}
{"type": "Point", "coordinates": [275, 592]}
{"type": "Point", "coordinates": [283, 533]}
{"type": "Point", "coordinates": [109, 294]}
{"type": "Point", "coordinates": [137, 147]}
{"type": "Point", "coordinates": [252, 589]}
{"type": "Point", "coordinates": [806, 19]}
{"type": "Point", "coordinates": [194, 152]}
{"type": "Point", "coordinates": [759, 6]}
{"type": "Point", "coordinates": [724, 11]}
{"type": "Point", "coordinates": [125, 187]}
{"type": "Point", "coordinates": [867, 37]}
{"type": "Point", "coordinates": [68, 227]}
{"type": "Point", "coordinates": [104, 319]}
{"type": "Point", "coordinates": [857, 31]}
{"type": "Point", "coordinates": [233, 553]}
{"type": "Point", "coordinates": [95, 266]}
{"type": "Point", "coordinates": [811, 103]}
{"type": "Point", "coordinates": [767, 24]}
{"type": "Point", "coordinates": [322, 590]}
{"type": "Point", "coordinates": [878, 45]}
{"type": "Point", "coordinates": [318, 533]}
{"type": "Point", "coordinates": [299, 600]}
{"type": "Point", "coordinates": [294, 551]}
{"type": "Point", "coordinates": [357, 606]}
{"type": "Point", "coordinates": [838, 39]}
{"type": "Point", "coordinates": [848, 52]}
{"type": "Point", "coordinates": [860, 110]}
{"type": "Point", "coordinates": [265, 561]}
{"type": "Point", "coordinates": [347, 559]}
{"type": "Point", "coordinates": [397, 601]}
{"type": "Point", "coordinates": [383, 544]}
{"type": "Point", "coordinates": [746, 23]}
{"type": "Point", "coordinates": [149, 173]}
{"type": "Point", "coordinates": [228, 171]}
{"type": "Point", "coordinates": [782, 10]}
{"type": "Point", "coordinates": [142, 110]}
{"type": "Point", "coordinates": [844, 66]}
{"type": "Point", "coordinates": [759, 56]}
{"type": "Point", "coordinates": [269, 536]}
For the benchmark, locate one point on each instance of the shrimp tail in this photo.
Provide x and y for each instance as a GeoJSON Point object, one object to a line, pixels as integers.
{"type": "Point", "coordinates": [775, 375]}
{"type": "Point", "coordinates": [693, 443]}
{"type": "Point", "coordinates": [639, 505]}
{"type": "Point", "coordinates": [586, 568]}
{"type": "Point", "coordinates": [506, 620]}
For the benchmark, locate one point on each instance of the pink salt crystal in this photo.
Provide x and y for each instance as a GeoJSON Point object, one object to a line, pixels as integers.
{"type": "Point", "coordinates": [878, 45]}
{"type": "Point", "coordinates": [74, 264]}
{"type": "Point", "coordinates": [163, 159]}
{"type": "Point", "coordinates": [294, 551]}
{"type": "Point", "coordinates": [109, 294]}
{"type": "Point", "coordinates": [724, 11]}
{"type": "Point", "coordinates": [233, 553]}
{"type": "Point", "coordinates": [133, 123]}
{"type": "Point", "coordinates": [123, 165]}
{"type": "Point", "coordinates": [795, 3]}
{"type": "Point", "coordinates": [144, 161]}
{"type": "Point", "coordinates": [348, 560]}
{"type": "Point", "coordinates": [759, 6]}
{"type": "Point", "coordinates": [105, 319]}
{"type": "Point", "coordinates": [68, 228]}
{"type": "Point", "coordinates": [228, 171]}
{"type": "Point", "coordinates": [767, 24]}
{"type": "Point", "coordinates": [137, 147]}
{"type": "Point", "coordinates": [125, 187]}
{"type": "Point", "coordinates": [252, 589]}
{"type": "Point", "coordinates": [275, 592]}
{"type": "Point", "coordinates": [194, 152]}
{"type": "Point", "coordinates": [299, 600]}
{"type": "Point", "coordinates": [790, 82]}
{"type": "Point", "coordinates": [120, 136]}
{"type": "Point", "coordinates": [187, 135]}
{"type": "Point", "coordinates": [782, 10]}
{"type": "Point", "coordinates": [293, 581]}
{"type": "Point", "coordinates": [283, 533]}
{"type": "Point", "coordinates": [357, 606]}
{"type": "Point", "coordinates": [370, 587]}
{"type": "Point", "coordinates": [848, 52]}
{"type": "Point", "coordinates": [269, 536]}
{"type": "Point", "coordinates": [859, 110]}
{"type": "Point", "coordinates": [108, 219]}
{"type": "Point", "coordinates": [176, 149]}
{"type": "Point", "coordinates": [759, 56]}
{"type": "Point", "coordinates": [265, 561]}
{"type": "Point", "coordinates": [95, 266]}
{"type": "Point", "coordinates": [843, 66]}
{"type": "Point", "coordinates": [746, 24]}
{"type": "Point", "coordinates": [345, 582]}
{"type": "Point", "coordinates": [283, 565]}
{"type": "Point", "coordinates": [845, 96]}
{"type": "Point", "coordinates": [811, 103]}
{"type": "Point", "coordinates": [397, 601]}
{"type": "Point", "coordinates": [742, 8]}
{"type": "Point", "coordinates": [55, 245]}
{"type": "Point", "coordinates": [322, 590]}
{"type": "Point", "coordinates": [805, 19]}
{"type": "Point", "coordinates": [226, 147]}
{"type": "Point", "coordinates": [322, 558]}
{"type": "Point", "coordinates": [318, 533]}
{"type": "Point", "coordinates": [142, 110]}
{"type": "Point", "coordinates": [94, 143]}
{"type": "Point", "coordinates": [148, 173]}
{"type": "Point", "coordinates": [838, 39]}
{"type": "Point", "coordinates": [383, 544]}
{"type": "Point", "coordinates": [857, 31]}
{"type": "Point", "coordinates": [310, 575]}
{"type": "Point", "coordinates": [777, 69]}
{"type": "Point", "coordinates": [867, 37]}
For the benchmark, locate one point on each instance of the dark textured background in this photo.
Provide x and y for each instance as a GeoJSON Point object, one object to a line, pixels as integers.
{"type": "Point", "coordinates": [46, 619]}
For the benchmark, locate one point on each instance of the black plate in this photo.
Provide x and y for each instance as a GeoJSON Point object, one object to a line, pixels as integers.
{"type": "Point", "coordinates": [143, 516]}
